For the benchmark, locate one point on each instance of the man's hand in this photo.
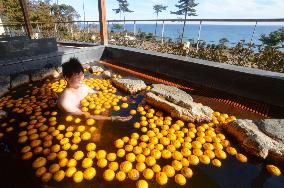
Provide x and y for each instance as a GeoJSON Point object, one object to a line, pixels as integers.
{"type": "Point", "coordinates": [120, 118]}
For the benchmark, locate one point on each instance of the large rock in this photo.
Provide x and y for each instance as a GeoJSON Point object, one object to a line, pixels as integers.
{"type": "Point", "coordinates": [107, 74]}
{"type": "Point", "coordinates": [97, 69]}
{"type": "Point", "coordinates": [86, 66]}
{"type": "Point", "coordinates": [274, 128]}
{"type": "Point", "coordinates": [178, 103]}
{"type": "Point", "coordinates": [44, 73]}
{"type": "Point", "coordinates": [4, 88]}
{"type": "Point", "coordinates": [129, 84]}
{"type": "Point", "coordinates": [257, 140]}
{"type": "Point", "coordinates": [5, 78]}
{"type": "Point", "coordinates": [4, 84]}
{"type": "Point", "coordinates": [19, 80]}
{"type": "Point", "coordinates": [3, 114]}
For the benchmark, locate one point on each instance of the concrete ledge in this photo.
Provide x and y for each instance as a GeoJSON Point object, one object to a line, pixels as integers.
{"type": "Point", "coordinates": [251, 83]}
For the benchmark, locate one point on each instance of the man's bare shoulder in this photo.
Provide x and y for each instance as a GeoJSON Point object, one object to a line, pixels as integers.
{"type": "Point", "coordinates": [65, 94]}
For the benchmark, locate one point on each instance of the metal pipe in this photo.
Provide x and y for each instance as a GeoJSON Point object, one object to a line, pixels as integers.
{"type": "Point", "coordinates": [198, 37]}
{"type": "Point", "coordinates": [163, 28]}
{"type": "Point", "coordinates": [171, 20]}
{"type": "Point", "coordinates": [134, 28]}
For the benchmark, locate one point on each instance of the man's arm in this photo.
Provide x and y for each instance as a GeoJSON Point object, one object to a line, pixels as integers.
{"type": "Point", "coordinates": [89, 90]}
{"type": "Point", "coordinates": [70, 108]}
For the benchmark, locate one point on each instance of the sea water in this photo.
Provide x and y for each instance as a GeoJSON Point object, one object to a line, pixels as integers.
{"type": "Point", "coordinates": [211, 34]}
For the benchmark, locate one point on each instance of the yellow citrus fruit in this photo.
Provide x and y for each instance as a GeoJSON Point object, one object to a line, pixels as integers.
{"type": "Point", "coordinates": [86, 136]}
{"type": "Point", "coordinates": [62, 154]}
{"type": "Point", "coordinates": [91, 147]}
{"type": "Point", "coordinates": [78, 177]}
{"type": "Point", "coordinates": [59, 176]}
{"type": "Point", "coordinates": [133, 174]}
{"type": "Point", "coordinates": [87, 162]}
{"type": "Point", "coordinates": [39, 162]}
{"type": "Point", "coordinates": [124, 105]}
{"type": "Point", "coordinates": [46, 177]}
{"type": "Point", "coordinates": [132, 112]}
{"type": "Point", "coordinates": [242, 158]}
{"type": "Point", "coordinates": [89, 173]}
{"type": "Point", "coordinates": [193, 160]}
{"type": "Point", "coordinates": [125, 166]}
{"type": "Point", "coordinates": [108, 175]}
{"type": "Point", "coordinates": [140, 167]}
{"type": "Point", "coordinates": [102, 163]}
{"type": "Point", "coordinates": [111, 156]}
{"type": "Point", "coordinates": [120, 152]}
{"type": "Point", "coordinates": [40, 171]}
{"type": "Point", "coordinates": [101, 154]}
{"type": "Point", "coordinates": [70, 171]}
{"type": "Point", "coordinates": [187, 172]}
{"type": "Point", "coordinates": [54, 168]}
{"type": "Point", "coordinates": [69, 118]}
{"type": "Point", "coordinates": [216, 162]}
{"type": "Point", "coordinates": [78, 155]}
{"type": "Point", "coordinates": [120, 176]}
{"type": "Point", "coordinates": [231, 150]}
{"type": "Point", "coordinates": [204, 159]}
{"type": "Point", "coordinates": [220, 154]}
{"type": "Point", "coordinates": [113, 166]}
{"type": "Point", "coordinates": [63, 162]}
{"type": "Point", "coordinates": [119, 143]}
{"type": "Point", "coordinates": [161, 178]}
{"type": "Point", "coordinates": [169, 170]}
{"type": "Point", "coordinates": [274, 170]}
{"type": "Point", "coordinates": [177, 165]}
{"type": "Point", "coordinates": [90, 121]}
{"type": "Point", "coordinates": [148, 173]}
{"type": "Point", "coordinates": [116, 108]}
{"type": "Point", "coordinates": [180, 179]}
{"type": "Point", "coordinates": [142, 184]}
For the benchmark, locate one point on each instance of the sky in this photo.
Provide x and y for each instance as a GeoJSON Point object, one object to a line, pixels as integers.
{"type": "Point", "coordinates": [143, 9]}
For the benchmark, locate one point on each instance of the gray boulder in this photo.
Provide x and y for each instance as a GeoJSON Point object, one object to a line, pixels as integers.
{"type": "Point", "coordinates": [97, 68]}
{"type": "Point", "coordinates": [261, 138]}
{"type": "Point", "coordinates": [178, 103]}
{"type": "Point", "coordinates": [129, 84]}
{"type": "Point", "coordinates": [44, 73]}
{"type": "Point", "coordinates": [4, 84]}
{"type": "Point", "coordinates": [19, 80]}
{"type": "Point", "coordinates": [107, 74]}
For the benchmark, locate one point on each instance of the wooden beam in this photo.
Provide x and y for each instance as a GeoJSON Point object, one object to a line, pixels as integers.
{"type": "Point", "coordinates": [28, 25]}
{"type": "Point", "coordinates": [103, 23]}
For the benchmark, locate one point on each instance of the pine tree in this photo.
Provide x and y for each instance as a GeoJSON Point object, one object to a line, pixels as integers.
{"type": "Point", "coordinates": [186, 8]}
{"type": "Point", "coordinates": [122, 8]}
{"type": "Point", "coordinates": [157, 9]}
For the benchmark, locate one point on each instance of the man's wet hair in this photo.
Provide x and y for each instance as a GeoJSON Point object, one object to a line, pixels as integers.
{"type": "Point", "coordinates": [72, 67]}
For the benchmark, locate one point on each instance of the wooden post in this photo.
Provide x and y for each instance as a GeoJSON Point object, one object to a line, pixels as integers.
{"type": "Point", "coordinates": [103, 23]}
{"type": "Point", "coordinates": [28, 26]}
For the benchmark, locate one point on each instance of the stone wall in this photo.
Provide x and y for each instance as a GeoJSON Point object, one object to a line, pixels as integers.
{"type": "Point", "coordinates": [23, 60]}
{"type": "Point", "coordinates": [259, 85]}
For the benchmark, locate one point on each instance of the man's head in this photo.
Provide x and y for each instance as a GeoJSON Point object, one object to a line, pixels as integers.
{"type": "Point", "coordinates": [73, 72]}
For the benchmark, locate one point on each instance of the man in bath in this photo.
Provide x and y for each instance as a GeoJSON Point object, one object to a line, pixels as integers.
{"type": "Point", "coordinates": [70, 99]}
